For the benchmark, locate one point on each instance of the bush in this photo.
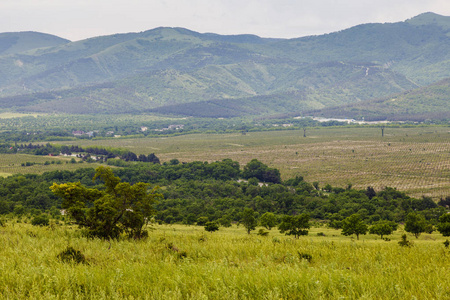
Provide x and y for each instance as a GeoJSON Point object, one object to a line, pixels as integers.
{"type": "Point", "coordinates": [306, 256]}
{"type": "Point", "coordinates": [404, 242]}
{"type": "Point", "coordinates": [211, 226]}
{"type": "Point", "coordinates": [41, 220]}
{"type": "Point", "coordinates": [262, 232]}
{"type": "Point", "coordinates": [71, 255]}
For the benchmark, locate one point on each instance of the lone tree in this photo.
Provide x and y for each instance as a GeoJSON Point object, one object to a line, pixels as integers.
{"type": "Point", "coordinates": [120, 207]}
{"type": "Point", "coordinates": [354, 225]}
{"type": "Point", "coordinates": [268, 220]}
{"type": "Point", "coordinates": [382, 228]}
{"type": "Point", "coordinates": [416, 224]}
{"type": "Point", "coordinates": [211, 226]}
{"type": "Point", "coordinates": [249, 219]}
{"type": "Point", "coordinates": [444, 224]}
{"type": "Point", "coordinates": [295, 225]}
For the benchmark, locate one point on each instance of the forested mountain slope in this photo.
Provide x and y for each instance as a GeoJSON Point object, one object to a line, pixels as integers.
{"type": "Point", "coordinates": [430, 102]}
{"type": "Point", "coordinates": [165, 67]}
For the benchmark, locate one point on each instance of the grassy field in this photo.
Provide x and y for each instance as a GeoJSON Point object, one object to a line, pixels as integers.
{"type": "Point", "coordinates": [415, 160]}
{"type": "Point", "coordinates": [181, 262]}
{"type": "Point", "coordinates": [12, 164]}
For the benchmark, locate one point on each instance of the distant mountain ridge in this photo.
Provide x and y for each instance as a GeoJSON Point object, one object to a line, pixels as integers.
{"type": "Point", "coordinates": [16, 42]}
{"type": "Point", "coordinates": [159, 69]}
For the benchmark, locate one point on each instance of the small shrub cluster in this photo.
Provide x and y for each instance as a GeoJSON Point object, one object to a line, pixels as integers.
{"type": "Point", "coordinates": [306, 256]}
{"type": "Point", "coordinates": [71, 255]}
{"type": "Point", "coordinates": [404, 242]}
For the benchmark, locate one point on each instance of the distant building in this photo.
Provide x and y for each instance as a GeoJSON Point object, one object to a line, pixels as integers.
{"type": "Point", "coordinates": [77, 132]}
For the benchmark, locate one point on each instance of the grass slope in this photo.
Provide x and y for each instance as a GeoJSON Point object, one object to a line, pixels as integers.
{"type": "Point", "coordinates": [16, 42]}
{"type": "Point", "coordinates": [431, 102]}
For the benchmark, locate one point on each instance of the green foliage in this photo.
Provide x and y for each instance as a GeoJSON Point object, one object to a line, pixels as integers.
{"type": "Point", "coordinates": [416, 224]}
{"type": "Point", "coordinates": [446, 243]}
{"type": "Point", "coordinates": [404, 242]}
{"type": "Point", "coordinates": [256, 169]}
{"type": "Point", "coordinates": [444, 224]}
{"type": "Point", "coordinates": [71, 255]}
{"type": "Point", "coordinates": [40, 220]}
{"type": "Point", "coordinates": [211, 226]}
{"type": "Point", "coordinates": [249, 219]}
{"type": "Point", "coordinates": [382, 228]}
{"type": "Point", "coordinates": [295, 225]}
{"type": "Point", "coordinates": [201, 221]}
{"type": "Point", "coordinates": [268, 220]}
{"type": "Point", "coordinates": [306, 256]}
{"type": "Point", "coordinates": [354, 225]}
{"type": "Point", "coordinates": [120, 207]}
{"type": "Point", "coordinates": [262, 232]}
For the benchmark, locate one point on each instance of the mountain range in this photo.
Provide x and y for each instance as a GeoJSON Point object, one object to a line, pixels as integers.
{"type": "Point", "coordinates": [355, 72]}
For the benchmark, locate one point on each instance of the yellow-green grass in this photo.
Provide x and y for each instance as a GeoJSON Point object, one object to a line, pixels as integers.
{"type": "Point", "coordinates": [12, 164]}
{"type": "Point", "coordinates": [228, 264]}
{"type": "Point", "coordinates": [415, 160]}
{"type": "Point", "coordinates": [9, 115]}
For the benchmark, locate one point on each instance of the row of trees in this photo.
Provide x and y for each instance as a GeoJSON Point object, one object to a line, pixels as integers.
{"type": "Point", "coordinates": [201, 192]}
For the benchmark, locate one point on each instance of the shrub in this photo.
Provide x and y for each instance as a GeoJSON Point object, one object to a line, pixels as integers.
{"type": "Point", "coordinates": [404, 242]}
{"type": "Point", "coordinates": [41, 220]}
{"type": "Point", "coordinates": [71, 255]}
{"type": "Point", "coordinates": [211, 226]}
{"type": "Point", "coordinates": [262, 232]}
{"type": "Point", "coordinates": [306, 256]}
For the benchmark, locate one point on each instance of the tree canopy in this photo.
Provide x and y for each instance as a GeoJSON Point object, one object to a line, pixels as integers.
{"type": "Point", "coordinates": [354, 225]}
{"type": "Point", "coordinates": [119, 207]}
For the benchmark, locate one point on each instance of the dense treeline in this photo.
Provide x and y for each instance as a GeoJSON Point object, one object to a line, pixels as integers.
{"type": "Point", "coordinates": [198, 192]}
{"type": "Point", "coordinates": [102, 154]}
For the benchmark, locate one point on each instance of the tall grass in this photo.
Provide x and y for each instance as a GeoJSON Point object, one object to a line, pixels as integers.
{"type": "Point", "coordinates": [180, 262]}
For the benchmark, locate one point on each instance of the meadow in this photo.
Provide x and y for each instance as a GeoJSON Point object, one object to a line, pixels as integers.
{"type": "Point", "coordinates": [11, 164]}
{"type": "Point", "coordinates": [185, 262]}
{"type": "Point", "coordinates": [415, 159]}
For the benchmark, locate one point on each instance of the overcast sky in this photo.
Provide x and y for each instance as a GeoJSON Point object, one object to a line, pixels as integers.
{"type": "Point", "coordinates": [79, 19]}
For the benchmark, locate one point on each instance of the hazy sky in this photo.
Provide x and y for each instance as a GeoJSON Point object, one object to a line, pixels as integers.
{"type": "Point", "coordinates": [79, 19]}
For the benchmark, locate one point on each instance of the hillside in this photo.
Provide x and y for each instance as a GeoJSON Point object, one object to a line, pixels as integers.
{"type": "Point", "coordinates": [16, 42]}
{"type": "Point", "coordinates": [430, 102]}
{"type": "Point", "coordinates": [164, 67]}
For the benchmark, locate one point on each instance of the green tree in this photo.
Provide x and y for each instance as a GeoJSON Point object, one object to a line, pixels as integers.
{"type": "Point", "coordinates": [295, 225]}
{"type": "Point", "coordinates": [268, 220]}
{"type": "Point", "coordinates": [382, 228]}
{"type": "Point", "coordinates": [416, 224]}
{"type": "Point", "coordinates": [261, 171]}
{"type": "Point", "coordinates": [249, 219]}
{"type": "Point", "coordinates": [444, 224]}
{"type": "Point", "coordinates": [354, 225]}
{"type": "Point", "coordinates": [201, 221]}
{"type": "Point", "coordinates": [119, 207]}
{"type": "Point", "coordinates": [41, 220]}
{"type": "Point", "coordinates": [211, 226]}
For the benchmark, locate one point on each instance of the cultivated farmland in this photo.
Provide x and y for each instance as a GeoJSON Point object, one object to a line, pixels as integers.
{"type": "Point", "coordinates": [415, 160]}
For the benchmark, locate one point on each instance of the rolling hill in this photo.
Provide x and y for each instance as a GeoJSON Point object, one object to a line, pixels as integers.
{"type": "Point", "coordinates": [426, 103]}
{"type": "Point", "coordinates": [163, 68]}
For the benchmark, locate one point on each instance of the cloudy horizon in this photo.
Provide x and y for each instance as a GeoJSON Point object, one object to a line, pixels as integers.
{"type": "Point", "coordinates": [76, 20]}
